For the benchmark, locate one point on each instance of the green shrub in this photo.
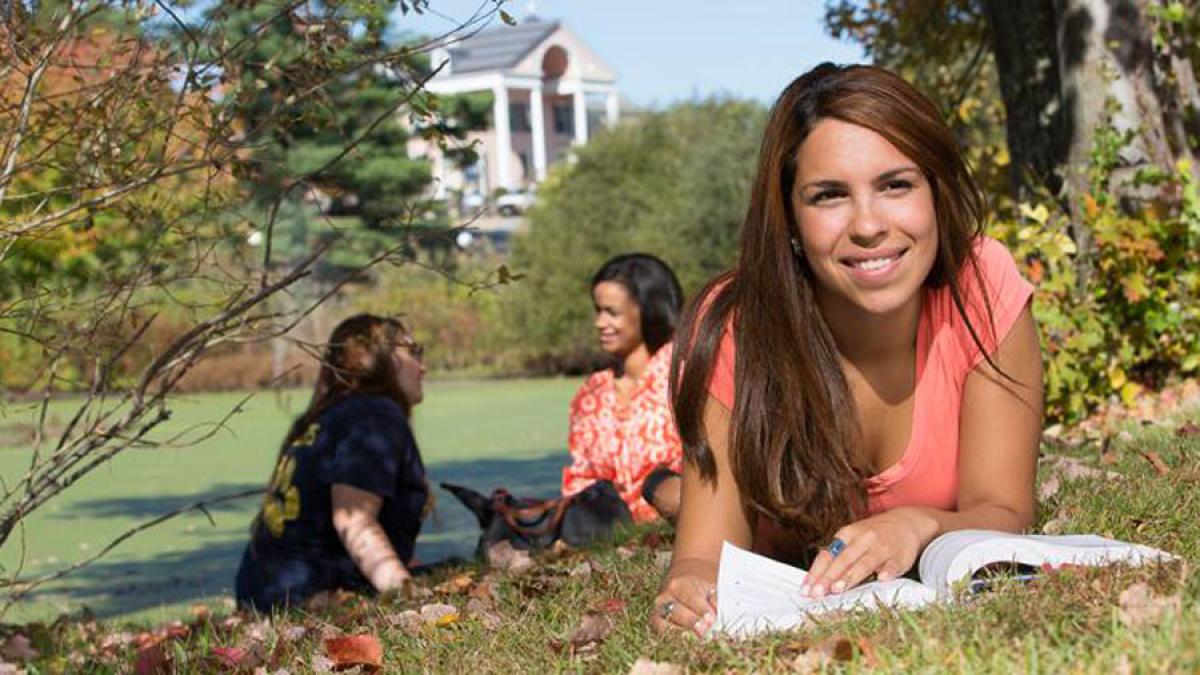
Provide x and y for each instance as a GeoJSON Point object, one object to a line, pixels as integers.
{"type": "Point", "coordinates": [1136, 323]}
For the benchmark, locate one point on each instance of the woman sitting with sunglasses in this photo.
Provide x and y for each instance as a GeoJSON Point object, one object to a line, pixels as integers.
{"type": "Point", "coordinates": [348, 493]}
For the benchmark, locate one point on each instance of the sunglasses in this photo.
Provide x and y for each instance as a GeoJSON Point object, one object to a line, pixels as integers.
{"type": "Point", "coordinates": [415, 349]}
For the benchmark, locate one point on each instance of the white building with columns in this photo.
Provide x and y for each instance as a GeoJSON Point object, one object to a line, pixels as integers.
{"type": "Point", "coordinates": [549, 92]}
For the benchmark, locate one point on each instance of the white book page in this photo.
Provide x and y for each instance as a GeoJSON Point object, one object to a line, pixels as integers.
{"type": "Point", "coordinates": [957, 555]}
{"type": "Point", "coordinates": [757, 594]}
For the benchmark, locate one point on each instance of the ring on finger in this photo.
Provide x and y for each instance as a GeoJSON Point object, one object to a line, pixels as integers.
{"type": "Point", "coordinates": [836, 546]}
{"type": "Point", "coordinates": [665, 609]}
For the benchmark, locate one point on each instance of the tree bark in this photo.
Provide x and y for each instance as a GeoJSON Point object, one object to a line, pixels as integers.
{"type": "Point", "coordinates": [1025, 46]}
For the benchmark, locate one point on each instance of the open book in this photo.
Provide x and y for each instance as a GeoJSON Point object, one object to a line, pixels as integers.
{"type": "Point", "coordinates": [756, 594]}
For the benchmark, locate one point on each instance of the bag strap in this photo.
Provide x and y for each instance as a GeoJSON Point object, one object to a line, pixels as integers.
{"type": "Point", "coordinates": [512, 515]}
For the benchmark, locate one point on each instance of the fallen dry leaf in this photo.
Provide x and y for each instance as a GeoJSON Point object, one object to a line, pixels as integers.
{"type": "Point", "coordinates": [612, 606]}
{"type": "Point", "coordinates": [594, 627]}
{"type": "Point", "coordinates": [439, 614]}
{"type": "Point", "coordinates": [644, 666]}
{"type": "Point", "coordinates": [503, 556]}
{"type": "Point", "coordinates": [1138, 606]}
{"type": "Point", "coordinates": [581, 571]}
{"type": "Point", "coordinates": [18, 648]}
{"type": "Point", "coordinates": [485, 591]}
{"type": "Point", "coordinates": [461, 583]}
{"type": "Point", "coordinates": [1188, 429]}
{"type": "Point", "coordinates": [1160, 467]}
{"type": "Point", "coordinates": [409, 622]}
{"type": "Point", "coordinates": [10, 669]}
{"type": "Point", "coordinates": [152, 659]}
{"type": "Point", "coordinates": [625, 552]}
{"type": "Point", "coordinates": [482, 610]}
{"type": "Point", "coordinates": [355, 650]}
{"type": "Point", "coordinates": [652, 540]}
{"type": "Point", "coordinates": [1049, 487]}
{"type": "Point", "coordinates": [662, 560]}
{"type": "Point", "coordinates": [234, 658]}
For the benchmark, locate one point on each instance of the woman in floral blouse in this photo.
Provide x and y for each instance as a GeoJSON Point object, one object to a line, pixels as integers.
{"type": "Point", "coordinates": [620, 423]}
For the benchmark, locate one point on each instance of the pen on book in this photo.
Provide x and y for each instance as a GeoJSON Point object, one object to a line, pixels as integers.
{"type": "Point", "coordinates": [980, 585]}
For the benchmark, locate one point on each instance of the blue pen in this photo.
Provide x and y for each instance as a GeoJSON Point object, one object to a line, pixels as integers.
{"type": "Point", "coordinates": [980, 585]}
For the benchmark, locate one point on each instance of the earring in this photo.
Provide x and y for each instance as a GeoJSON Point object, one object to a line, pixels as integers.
{"type": "Point", "coordinates": [796, 248]}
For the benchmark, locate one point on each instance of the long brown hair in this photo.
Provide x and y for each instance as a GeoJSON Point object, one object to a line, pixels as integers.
{"type": "Point", "coordinates": [358, 360]}
{"type": "Point", "coordinates": [795, 438]}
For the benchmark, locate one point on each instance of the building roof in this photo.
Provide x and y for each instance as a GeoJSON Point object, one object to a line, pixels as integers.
{"type": "Point", "coordinates": [499, 48]}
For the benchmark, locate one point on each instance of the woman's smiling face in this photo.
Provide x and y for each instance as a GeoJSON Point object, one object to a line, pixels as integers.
{"type": "Point", "coordinates": [866, 217]}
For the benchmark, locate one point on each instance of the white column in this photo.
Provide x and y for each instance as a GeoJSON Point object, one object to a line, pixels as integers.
{"type": "Point", "coordinates": [503, 137]}
{"type": "Point", "coordinates": [612, 109]}
{"type": "Point", "coordinates": [579, 103]}
{"type": "Point", "coordinates": [537, 120]}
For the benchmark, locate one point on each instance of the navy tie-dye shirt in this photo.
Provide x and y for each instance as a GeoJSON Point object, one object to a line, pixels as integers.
{"type": "Point", "coordinates": [362, 441]}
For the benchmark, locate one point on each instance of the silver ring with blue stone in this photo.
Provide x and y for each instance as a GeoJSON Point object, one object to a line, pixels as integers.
{"type": "Point", "coordinates": [835, 547]}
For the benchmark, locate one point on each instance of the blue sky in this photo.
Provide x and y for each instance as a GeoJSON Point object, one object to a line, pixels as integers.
{"type": "Point", "coordinates": [668, 50]}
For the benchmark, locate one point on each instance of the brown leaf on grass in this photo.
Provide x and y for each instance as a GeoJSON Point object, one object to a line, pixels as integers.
{"type": "Point", "coordinates": [10, 669]}
{"type": "Point", "coordinates": [484, 591]}
{"type": "Point", "coordinates": [652, 540]}
{"type": "Point", "coordinates": [644, 666]}
{"type": "Point", "coordinates": [1188, 429]}
{"type": "Point", "coordinates": [503, 556]}
{"type": "Point", "coordinates": [1138, 606]}
{"type": "Point", "coordinates": [625, 552]}
{"type": "Point", "coordinates": [1160, 467]}
{"type": "Point", "coordinates": [1049, 487]}
{"type": "Point", "coordinates": [662, 560]}
{"type": "Point", "coordinates": [483, 611]}
{"type": "Point", "coordinates": [18, 648]}
{"type": "Point", "coordinates": [834, 649]}
{"type": "Point", "coordinates": [1073, 469]}
{"type": "Point", "coordinates": [439, 614]}
{"type": "Point", "coordinates": [153, 659]}
{"type": "Point", "coordinates": [581, 571]}
{"type": "Point", "coordinates": [238, 658]}
{"type": "Point", "coordinates": [612, 606]}
{"type": "Point", "coordinates": [409, 622]}
{"type": "Point", "coordinates": [355, 650]}
{"type": "Point", "coordinates": [593, 628]}
{"type": "Point", "coordinates": [457, 585]}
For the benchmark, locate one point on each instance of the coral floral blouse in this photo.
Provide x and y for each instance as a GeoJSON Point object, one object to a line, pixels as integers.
{"type": "Point", "coordinates": [927, 473]}
{"type": "Point", "coordinates": [623, 444]}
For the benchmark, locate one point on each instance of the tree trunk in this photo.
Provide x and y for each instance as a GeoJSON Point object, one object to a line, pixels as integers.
{"type": "Point", "coordinates": [1068, 66]}
{"type": "Point", "coordinates": [1025, 46]}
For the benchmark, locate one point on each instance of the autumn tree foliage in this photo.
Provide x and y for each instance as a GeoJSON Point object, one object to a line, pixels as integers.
{"type": "Point", "coordinates": [131, 135]}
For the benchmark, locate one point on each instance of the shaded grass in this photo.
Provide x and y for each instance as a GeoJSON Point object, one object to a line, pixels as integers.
{"type": "Point", "coordinates": [479, 433]}
{"type": "Point", "coordinates": [1068, 621]}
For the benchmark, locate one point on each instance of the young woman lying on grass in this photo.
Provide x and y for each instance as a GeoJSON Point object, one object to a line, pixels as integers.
{"type": "Point", "coordinates": [868, 376]}
{"type": "Point", "coordinates": [348, 494]}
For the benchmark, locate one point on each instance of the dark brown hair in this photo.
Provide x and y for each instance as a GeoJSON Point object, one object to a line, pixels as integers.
{"type": "Point", "coordinates": [654, 289]}
{"type": "Point", "coordinates": [358, 360]}
{"type": "Point", "coordinates": [795, 438]}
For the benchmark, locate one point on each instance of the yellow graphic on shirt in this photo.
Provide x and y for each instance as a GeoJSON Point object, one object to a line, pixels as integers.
{"type": "Point", "coordinates": [282, 501]}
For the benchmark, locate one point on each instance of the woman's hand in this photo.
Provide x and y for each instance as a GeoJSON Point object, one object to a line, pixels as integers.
{"type": "Point", "coordinates": [687, 599]}
{"type": "Point", "coordinates": [885, 545]}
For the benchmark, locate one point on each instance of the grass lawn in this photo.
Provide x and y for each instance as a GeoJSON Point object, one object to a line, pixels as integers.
{"type": "Point", "coordinates": [586, 610]}
{"type": "Point", "coordinates": [477, 433]}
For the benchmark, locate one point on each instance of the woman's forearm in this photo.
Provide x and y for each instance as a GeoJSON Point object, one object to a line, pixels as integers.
{"type": "Point", "coordinates": [981, 517]}
{"type": "Point", "coordinates": [373, 553]}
